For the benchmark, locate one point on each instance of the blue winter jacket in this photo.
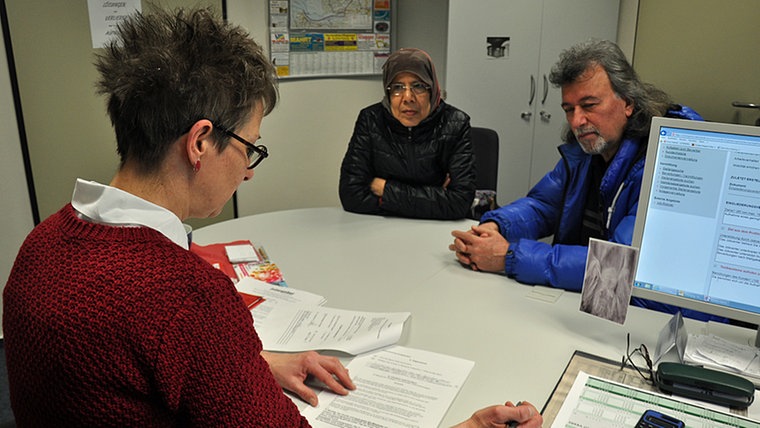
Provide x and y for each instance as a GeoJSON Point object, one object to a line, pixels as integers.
{"type": "Point", "coordinates": [554, 206]}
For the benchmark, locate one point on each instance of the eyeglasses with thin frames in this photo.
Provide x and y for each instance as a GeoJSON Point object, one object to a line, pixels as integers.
{"type": "Point", "coordinates": [398, 89]}
{"type": "Point", "coordinates": [642, 350]}
{"type": "Point", "coordinates": [255, 153]}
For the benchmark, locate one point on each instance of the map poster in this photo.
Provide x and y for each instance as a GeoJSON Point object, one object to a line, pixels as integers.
{"type": "Point", "coordinates": [314, 38]}
{"type": "Point", "coordinates": [330, 15]}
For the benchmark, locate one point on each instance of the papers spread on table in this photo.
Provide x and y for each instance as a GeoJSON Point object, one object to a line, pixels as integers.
{"type": "Point", "coordinates": [395, 387]}
{"type": "Point", "coordinates": [718, 353]}
{"type": "Point", "coordinates": [291, 320]}
{"type": "Point", "coordinates": [596, 402]}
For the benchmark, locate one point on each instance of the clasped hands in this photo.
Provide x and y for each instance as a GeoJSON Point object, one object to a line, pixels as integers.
{"type": "Point", "coordinates": [481, 248]}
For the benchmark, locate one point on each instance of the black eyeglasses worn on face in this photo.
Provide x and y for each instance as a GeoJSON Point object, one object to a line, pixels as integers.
{"type": "Point", "coordinates": [644, 352]}
{"type": "Point", "coordinates": [417, 88]}
{"type": "Point", "coordinates": [255, 153]}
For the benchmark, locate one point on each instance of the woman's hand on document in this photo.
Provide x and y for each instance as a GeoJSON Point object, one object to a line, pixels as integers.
{"type": "Point", "coordinates": [291, 371]}
{"type": "Point", "coordinates": [523, 415]}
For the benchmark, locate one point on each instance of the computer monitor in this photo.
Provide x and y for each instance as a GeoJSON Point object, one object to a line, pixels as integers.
{"type": "Point", "coordinates": [698, 220]}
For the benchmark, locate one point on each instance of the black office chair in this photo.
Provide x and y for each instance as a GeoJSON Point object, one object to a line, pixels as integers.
{"type": "Point", "coordinates": [485, 145]}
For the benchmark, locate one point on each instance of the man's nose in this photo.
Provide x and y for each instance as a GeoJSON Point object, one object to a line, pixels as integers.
{"type": "Point", "coordinates": [577, 118]}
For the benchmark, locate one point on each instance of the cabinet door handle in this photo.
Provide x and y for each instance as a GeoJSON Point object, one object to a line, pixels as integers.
{"type": "Point", "coordinates": [745, 105]}
{"type": "Point", "coordinates": [546, 90]}
{"type": "Point", "coordinates": [526, 115]}
{"type": "Point", "coordinates": [545, 115]}
{"type": "Point", "coordinates": [532, 89]}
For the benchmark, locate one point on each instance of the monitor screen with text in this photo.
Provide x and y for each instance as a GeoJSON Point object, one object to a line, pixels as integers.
{"type": "Point", "coordinates": [698, 223]}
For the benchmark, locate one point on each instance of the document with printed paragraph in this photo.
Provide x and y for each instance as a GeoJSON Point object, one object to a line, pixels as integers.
{"type": "Point", "coordinates": [395, 387]}
{"type": "Point", "coordinates": [296, 328]}
{"type": "Point", "coordinates": [291, 320]}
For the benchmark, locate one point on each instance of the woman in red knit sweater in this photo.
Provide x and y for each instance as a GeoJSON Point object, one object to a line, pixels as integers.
{"type": "Point", "coordinates": [109, 320]}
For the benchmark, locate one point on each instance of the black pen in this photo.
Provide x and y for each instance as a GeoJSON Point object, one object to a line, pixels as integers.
{"type": "Point", "coordinates": [513, 424]}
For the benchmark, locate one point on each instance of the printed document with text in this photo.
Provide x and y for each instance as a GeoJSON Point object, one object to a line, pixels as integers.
{"type": "Point", "coordinates": [395, 387]}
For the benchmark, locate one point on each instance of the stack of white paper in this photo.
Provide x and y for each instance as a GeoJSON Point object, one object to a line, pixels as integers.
{"type": "Point", "coordinates": [718, 353]}
{"type": "Point", "coordinates": [291, 320]}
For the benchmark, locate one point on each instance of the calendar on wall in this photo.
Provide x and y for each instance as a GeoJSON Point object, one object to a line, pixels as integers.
{"type": "Point", "coordinates": [318, 38]}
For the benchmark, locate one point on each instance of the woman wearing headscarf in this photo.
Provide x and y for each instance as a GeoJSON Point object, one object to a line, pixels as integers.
{"type": "Point", "coordinates": [410, 154]}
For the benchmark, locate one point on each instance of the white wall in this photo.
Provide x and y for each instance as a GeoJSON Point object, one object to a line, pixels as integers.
{"type": "Point", "coordinates": [17, 211]}
{"type": "Point", "coordinates": [307, 136]}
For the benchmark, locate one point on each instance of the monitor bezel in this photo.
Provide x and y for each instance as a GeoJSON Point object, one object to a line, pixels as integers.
{"type": "Point", "coordinates": [640, 224]}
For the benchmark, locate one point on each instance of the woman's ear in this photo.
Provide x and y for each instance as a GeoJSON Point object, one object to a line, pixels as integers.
{"type": "Point", "coordinates": [198, 142]}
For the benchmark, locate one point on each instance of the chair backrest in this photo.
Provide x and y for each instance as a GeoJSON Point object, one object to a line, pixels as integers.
{"type": "Point", "coordinates": [485, 145]}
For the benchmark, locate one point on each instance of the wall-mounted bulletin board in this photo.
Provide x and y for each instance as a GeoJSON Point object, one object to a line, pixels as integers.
{"type": "Point", "coordinates": [318, 38]}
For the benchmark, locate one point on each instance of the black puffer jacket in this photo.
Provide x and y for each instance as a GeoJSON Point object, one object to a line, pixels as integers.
{"type": "Point", "coordinates": [413, 161]}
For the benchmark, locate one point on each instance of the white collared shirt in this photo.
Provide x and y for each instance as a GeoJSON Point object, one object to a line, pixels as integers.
{"type": "Point", "coordinates": [99, 203]}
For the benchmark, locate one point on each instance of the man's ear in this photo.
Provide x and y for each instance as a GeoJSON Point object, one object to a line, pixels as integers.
{"type": "Point", "coordinates": [629, 105]}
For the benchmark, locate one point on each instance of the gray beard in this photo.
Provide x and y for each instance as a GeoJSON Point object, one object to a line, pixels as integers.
{"type": "Point", "coordinates": [599, 147]}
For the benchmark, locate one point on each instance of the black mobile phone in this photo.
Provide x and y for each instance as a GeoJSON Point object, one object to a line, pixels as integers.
{"type": "Point", "coordinates": [655, 419]}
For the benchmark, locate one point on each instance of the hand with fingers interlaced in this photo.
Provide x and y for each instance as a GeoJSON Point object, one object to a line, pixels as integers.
{"type": "Point", "coordinates": [481, 248]}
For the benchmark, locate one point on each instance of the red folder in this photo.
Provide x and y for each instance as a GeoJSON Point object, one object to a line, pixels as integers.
{"type": "Point", "coordinates": [217, 256]}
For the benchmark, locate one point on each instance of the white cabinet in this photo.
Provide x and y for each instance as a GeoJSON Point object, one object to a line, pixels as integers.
{"type": "Point", "coordinates": [509, 90]}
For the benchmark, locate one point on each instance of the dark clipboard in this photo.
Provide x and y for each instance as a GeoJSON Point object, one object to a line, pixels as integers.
{"type": "Point", "coordinates": [601, 367]}
{"type": "Point", "coordinates": [595, 366]}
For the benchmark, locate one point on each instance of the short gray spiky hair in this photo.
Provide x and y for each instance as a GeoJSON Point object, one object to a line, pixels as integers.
{"type": "Point", "coordinates": [167, 70]}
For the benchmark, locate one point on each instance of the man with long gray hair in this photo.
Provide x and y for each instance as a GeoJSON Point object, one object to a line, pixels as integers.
{"type": "Point", "coordinates": [593, 191]}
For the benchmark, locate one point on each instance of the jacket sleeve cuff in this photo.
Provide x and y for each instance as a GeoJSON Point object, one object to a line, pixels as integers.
{"type": "Point", "coordinates": [510, 261]}
{"type": "Point", "coordinates": [498, 226]}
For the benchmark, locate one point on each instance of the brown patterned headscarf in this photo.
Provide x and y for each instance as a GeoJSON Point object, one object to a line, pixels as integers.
{"type": "Point", "coordinates": [416, 61]}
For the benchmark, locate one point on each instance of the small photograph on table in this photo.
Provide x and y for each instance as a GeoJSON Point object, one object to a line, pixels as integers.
{"type": "Point", "coordinates": [608, 280]}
